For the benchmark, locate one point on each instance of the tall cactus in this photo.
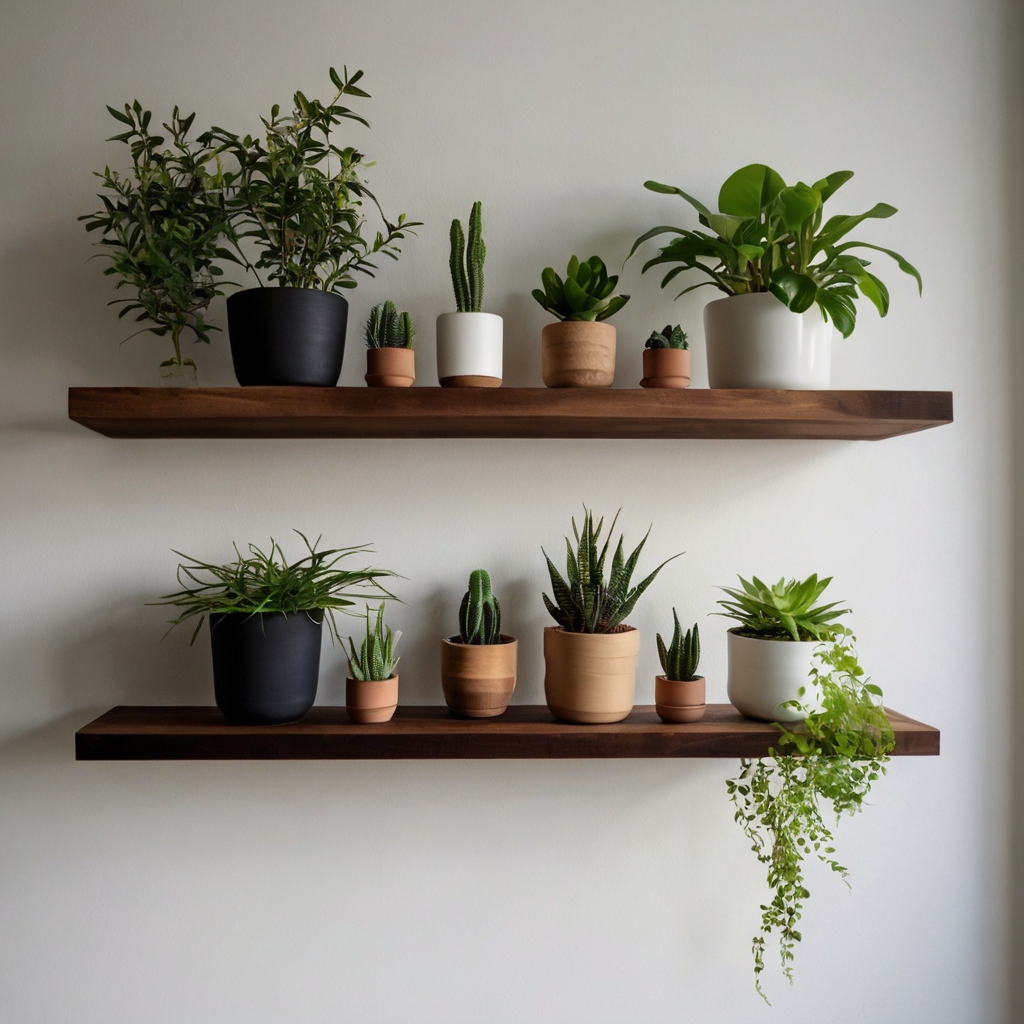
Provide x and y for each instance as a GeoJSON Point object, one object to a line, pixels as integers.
{"type": "Point", "coordinates": [480, 613]}
{"type": "Point", "coordinates": [681, 658]}
{"type": "Point", "coordinates": [467, 262]}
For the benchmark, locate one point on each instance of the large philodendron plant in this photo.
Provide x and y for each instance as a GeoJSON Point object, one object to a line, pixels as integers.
{"type": "Point", "coordinates": [770, 237]}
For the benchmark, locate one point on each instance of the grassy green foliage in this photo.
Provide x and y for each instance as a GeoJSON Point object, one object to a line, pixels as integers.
{"type": "Point", "coordinates": [466, 262]}
{"type": "Point", "coordinates": [785, 611]}
{"type": "Point", "coordinates": [387, 328]}
{"type": "Point", "coordinates": [682, 656]}
{"type": "Point", "coordinates": [768, 237]}
{"type": "Point", "coordinates": [584, 602]}
{"type": "Point", "coordinates": [583, 295]}
{"type": "Point", "coordinates": [296, 196]}
{"type": "Point", "coordinates": [161, 225]}
{"type": "Point", "coordinates": [668, 337]}
{"type": "Point", "coordinates": [480, 612]}
{"type": "Point", "coordinates": [375, 658]}
{"type": "Point", "coordinates": [266, 582]}
{"type": "Point", "coordinates": [825, 765]}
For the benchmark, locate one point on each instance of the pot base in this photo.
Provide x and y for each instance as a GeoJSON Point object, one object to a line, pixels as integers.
{"type": "Point", "coordinates": [470, 380]}
{"type": "Point", "coordinates": [665, 382]}
{"type": "Point", "coordinates": [587, 717]}
{"type": "Point", "coordinates": [690, 713]}
{"type": "Point", "coordinates": [370, 716]}
{"type": "Point", "coordinates": [485, 713]}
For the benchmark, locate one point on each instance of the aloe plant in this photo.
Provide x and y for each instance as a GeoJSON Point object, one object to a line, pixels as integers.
{"type": "Point", "coordinates": [669, 337]}
{"type": "Point", "coordinates": [467, 262]}
{"type": "Point", "coordinates": [785, 611]}
{"type": "Point", "coordinates": [480, 613]}
{"type": "Point", "coordinates": [682, 656]}
{"type": "Point", "coordinates": [375, 658]}
{"type": "Point", "coordinates": [585, 602]}
{"type": "Point", "coordinates": [583, 295]}
{"type": "Point", "coordinates": [387, 328]}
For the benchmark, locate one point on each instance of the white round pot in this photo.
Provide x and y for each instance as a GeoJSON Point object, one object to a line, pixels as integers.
{"type": "Point", "coordinates": [469, 350]}
{"type": "Point", "coordinates": [754, 341]}
{"type": "Point", "coordinates": [765, 674]}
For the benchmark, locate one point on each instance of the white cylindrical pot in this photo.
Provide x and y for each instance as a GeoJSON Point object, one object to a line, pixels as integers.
{"type": "Point", "coordinates": [754, 341]}
{"type": "Point", "coordinates": [469, 349]}
{"type": "Point", "coordinates": [765, 674]}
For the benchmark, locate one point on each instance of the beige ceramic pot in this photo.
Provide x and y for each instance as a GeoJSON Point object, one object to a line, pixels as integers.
{"type": "Point", "coordinates": [590, 677]}
{"type": "Point", "coordinates": [371, 700]}
{"type": "Point", "coordinates": [666, 368]}
{"type": "Point", "coordinates": [390, 367]}
{"type": "Point", "coordinates": [578, 354]}
{"type": "Point", "coordinates": [478, 679]}
{"type": "Point", "coordinates": [679, 700]}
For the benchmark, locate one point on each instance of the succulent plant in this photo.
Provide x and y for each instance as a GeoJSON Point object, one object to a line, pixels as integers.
{"type": "Point", "coordinates": [467, 262]}
{"type": "Point", "coordinates": [583, 295]}
{"type": "Point", "coordinates": [785, 611]}
{"type": "Point", "coordinates": [480, 613]}
{"type": "Point", "coordinates": [387, 328]}
{"type": "Point", "coordinates": [375, 658]}
{"type": "Point", "coordinates": [669, 337]}
{"type": "Point", "coordinates": [680, 659]}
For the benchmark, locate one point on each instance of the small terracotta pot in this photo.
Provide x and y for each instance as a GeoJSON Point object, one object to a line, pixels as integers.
{"type": "Point", "coordinates": [578, 354]}
{"type": "Point", "coordinates": [478, 679]}
{"type": "Point", "coordinates": [679, 700]}
{"type": "Point", "coordinates": [590, 677]}
{"type": "Point", "coordinates": [371, 700]}
{"type": "Point", "coordinates": [390, 367]}
{"type": "Point", "coordinates": [666, 368]}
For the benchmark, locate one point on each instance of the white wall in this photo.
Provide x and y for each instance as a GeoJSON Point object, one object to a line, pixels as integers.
{"type": "Point", "coordinates": [561, 892]}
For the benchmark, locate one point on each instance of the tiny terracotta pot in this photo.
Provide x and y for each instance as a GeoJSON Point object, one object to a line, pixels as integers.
{"type": "Point", "coordinates": [666, 368]}
{"type": "Point", "coordinates": [478, 679]}
{"type": "Point", "coordinates": [371, 700]}
{"type": "Point", "coordinates": [679, 700]}
{"type": "Point", "coordinates": [590, 677]}
{"type": "Point", "coordinates": [578, 354]}
{"type": "Point", "coordinates": [390, 367]}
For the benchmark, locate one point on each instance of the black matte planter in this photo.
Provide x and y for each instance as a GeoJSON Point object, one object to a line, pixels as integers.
{"type": "Point", "coordinates": [265, 667]}
{"type": "Point", "coordinates": [287, 336]}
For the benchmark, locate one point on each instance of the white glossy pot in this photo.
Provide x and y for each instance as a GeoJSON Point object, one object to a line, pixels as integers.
{"type": "Point", "coordinates": [765, 674]}
{"type": "Point", "coordinates": [754, 341]}
{"type": "Point", "coordinates": [469, 350]}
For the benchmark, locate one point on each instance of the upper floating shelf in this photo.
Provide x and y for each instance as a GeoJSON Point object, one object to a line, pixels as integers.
{"type": "Point", "coordinates": [506, 412]}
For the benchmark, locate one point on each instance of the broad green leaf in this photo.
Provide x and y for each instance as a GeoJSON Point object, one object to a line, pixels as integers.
{"type": "Point", "coordinates": [797, 291]}
{"type": "Point", "coordinates": [655, 186]}
{"type": "Point", "coordinates": [749, 190]}
{"type": "Point", "coordinates": [725, 226]}
{"type": "Point", "coordinates": [830, 185]}
{"type": "Point", "coordinates": [797, 204]}
{"type": "Point", "coordinates": [840, 225]}
{"type": "Point", "coordinates": [900, 261]}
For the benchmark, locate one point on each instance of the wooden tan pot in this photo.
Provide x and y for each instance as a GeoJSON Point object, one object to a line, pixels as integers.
{"type": "Point", "coordinates": [371, 700]}
{"type": "Point", "coordinates": [578, 354]}
{"type": "Point", "coordinates": [478, 679]}
{"type": "Point", "coordinates": [590, 677]}
{"type": "Point", "coordinates": [679, 700]}
{"type": "Point", "coordinates": [666, 368]}
{"type": "Point", "coordinates": [390, 367]}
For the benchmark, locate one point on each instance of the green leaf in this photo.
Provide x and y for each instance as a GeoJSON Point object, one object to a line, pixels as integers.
{"type": "Point", "coordinates": [655, 186]}
{"type": "Point", "coordinates": [123, 118]}
{"type": "Point", "coordinates": [749, 190]}
{"type": "Point", "coordinates": [798, 204]}
{"type": "Point", "coordinates": [900, 261]}
{"type": "Point", "coordinates": [797, 291]}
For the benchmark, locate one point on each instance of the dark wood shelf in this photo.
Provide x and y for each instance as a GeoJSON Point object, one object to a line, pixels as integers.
{"type": "Point", "coordinates": [506, 412]}
{"type": "Point", "coordinates": [524, 731]}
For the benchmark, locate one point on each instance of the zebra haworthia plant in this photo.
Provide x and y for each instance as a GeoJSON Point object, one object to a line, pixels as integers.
{"type": "Point", "coordinates": [375, 658]}
{"type": "Point", "coordinates": [467, 262]}
{"type": "Point", "coordinates": [480, 613]}
{"type": "Point", "coordinates": [669, 337]}
{"type": "Point", "coordinates": [387, 328]}
{"type": "Point", "coordinates": [680, 659]}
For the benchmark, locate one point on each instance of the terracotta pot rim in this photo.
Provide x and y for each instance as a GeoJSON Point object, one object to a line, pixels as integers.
{"type": "Point", "coordinates": [349, 679]}
{"type": "Point", "coordinates": [615, 631]}
{"type": "Point", "coordinates": [456, 641]}
{"type": "Point", "coordinates": [695, 679]}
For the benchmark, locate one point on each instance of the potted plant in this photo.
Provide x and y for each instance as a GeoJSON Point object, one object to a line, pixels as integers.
{"type": "Point", "coordinates": [162, 225]}
{"type": "Point", "coordinates": [579, 350]}
{"type": "Point", "coordinates": [478, 666]}
{"type": "Point", "coordinates": [771, 651]}
{"type": "Point", "coordinates": [679, 694]}
{"type": "Point", "coordinates": [667, 359]}
{"type": "Point", "coordinates": [297, 201]}
{"type": "Point", "coordinates": [390, 360]}
{"type": "Point", "coordinates": [788, 277]}
{"type": "Point", "coordinates": [266, 623]}
{"type": "Point", "coordinates": [590, 656]}
{"type": "Point", "coordinates": [469, 341]}
{"type": "Point", "coordinates": [371, 689]}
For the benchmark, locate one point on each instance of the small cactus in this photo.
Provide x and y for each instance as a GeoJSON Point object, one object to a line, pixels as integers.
{"type": "Point", "coordinates": [679, 661]}
{"type": "Point", "coordinates": [467, 262]}
{"type": "Point", "coordinates": [375, 658]}
{"type": "Point", "coordinates": [387, 328]}
{"type": "Point", "coordinates": [480, 613]}
{"type": "Point", "coordinates": [670, 337]}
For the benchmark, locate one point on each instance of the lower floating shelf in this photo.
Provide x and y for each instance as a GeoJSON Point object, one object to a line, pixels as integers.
{"type": "Point", "coordinates": [524, 731]}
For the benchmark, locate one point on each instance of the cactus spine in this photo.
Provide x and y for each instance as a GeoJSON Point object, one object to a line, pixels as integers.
{"type": "Point", "coordinates": [387, 328]}
{"type": "Point", "coordinates": [680, 660]}
{"type": "Point", "coordinates": [467, 262]}
{"type": "Point", "coordinates": [480, 613]}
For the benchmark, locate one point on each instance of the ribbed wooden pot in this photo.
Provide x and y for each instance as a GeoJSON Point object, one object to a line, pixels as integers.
{"type": "Point", "coordinates": [578, 354]}
{"type": "Point", "coordinates": [371, 700]}
{"type": "Point", "coordinates": [478, 679]}
{"type": "Point", "coordinates": [666, 368]}
{"type": "Point", "coordinates": [590, 677]}
{"type": "Point", "coordinates": [679, 700]}
{"type": "Point", "coordinates": [390, 367]}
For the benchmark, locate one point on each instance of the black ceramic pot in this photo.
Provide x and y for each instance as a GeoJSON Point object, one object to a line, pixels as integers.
{"type": "Point", "coordinates": [287, 336]}
{"type": "Point", "coordinates": [265, 667]}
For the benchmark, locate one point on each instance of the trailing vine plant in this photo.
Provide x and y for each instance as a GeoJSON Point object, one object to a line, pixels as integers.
{"type": "Point", "coordinates": [823, 766]}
